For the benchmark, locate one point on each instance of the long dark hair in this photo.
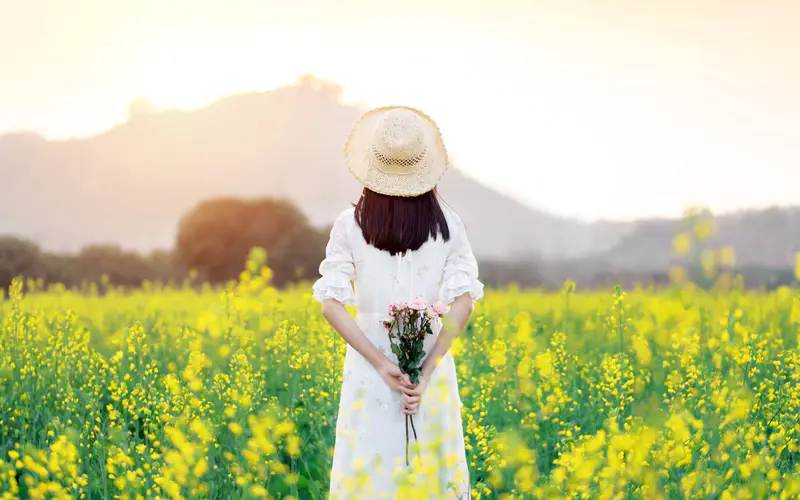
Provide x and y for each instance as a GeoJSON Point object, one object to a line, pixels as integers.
{"type": "Point", "coordinates": [398, 224]}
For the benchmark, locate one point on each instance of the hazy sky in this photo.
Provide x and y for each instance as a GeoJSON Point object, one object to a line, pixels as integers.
{"type": "Point", "coordinates": [594, 108]}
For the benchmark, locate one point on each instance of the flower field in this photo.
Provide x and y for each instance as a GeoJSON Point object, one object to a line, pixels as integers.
{"type": "Point", "coordinates": [200, 393]}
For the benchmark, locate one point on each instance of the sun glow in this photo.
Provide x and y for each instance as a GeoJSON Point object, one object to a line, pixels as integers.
{"type": "Point", "coordinates": [184, 71]}
{"type": "Point", "coordinates": [190, 69]}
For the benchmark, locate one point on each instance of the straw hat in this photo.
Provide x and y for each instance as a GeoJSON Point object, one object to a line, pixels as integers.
{"type": "Point", "coordinates": [396, 151]}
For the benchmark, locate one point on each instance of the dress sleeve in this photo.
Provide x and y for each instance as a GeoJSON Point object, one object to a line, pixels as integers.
{"type": "Point", "coordinates": [460, 269]}
{"type": "Point", "coordinates": [338, 268]}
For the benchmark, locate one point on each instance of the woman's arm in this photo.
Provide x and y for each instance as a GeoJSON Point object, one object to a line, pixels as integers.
{"type": "Point", "coordinates": [343, 323]}
{"type": "Point", "coordinates": [454, 324]}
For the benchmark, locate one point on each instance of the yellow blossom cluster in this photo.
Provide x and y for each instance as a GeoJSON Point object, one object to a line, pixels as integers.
{"type": "Point", "coordinates": [184, 391]}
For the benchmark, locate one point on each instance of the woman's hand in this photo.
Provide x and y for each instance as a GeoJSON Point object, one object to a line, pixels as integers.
{"type": "Point", "coordinates": [391, 374]}
{"type": "Point", "coordinates": [412, 393]}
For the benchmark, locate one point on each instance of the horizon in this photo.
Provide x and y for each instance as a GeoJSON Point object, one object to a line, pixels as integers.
{"type": "Point", "coordinates": [698, 112]}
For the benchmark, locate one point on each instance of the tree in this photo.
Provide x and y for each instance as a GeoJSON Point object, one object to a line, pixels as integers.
{"type": "Point", "coordinates": [215, 237]}
{"type": "Point", "coordinates": [18, 257]}
{"type": "Point", "coordinates": [140, 107]}
{"type": "Point", "coordinates": [119, 266]}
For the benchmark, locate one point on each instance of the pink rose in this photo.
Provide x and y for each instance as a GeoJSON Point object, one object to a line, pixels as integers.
{"type": "Point", "coordinates": [402, 305]}
{"type": "Point", "coordinates": [439, 308]}
{"type": "Point", "coordinates": [418, 304]}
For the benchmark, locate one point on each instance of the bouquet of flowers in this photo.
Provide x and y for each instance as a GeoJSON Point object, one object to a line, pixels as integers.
{"type": "Point", "coordinates": [408, 324]}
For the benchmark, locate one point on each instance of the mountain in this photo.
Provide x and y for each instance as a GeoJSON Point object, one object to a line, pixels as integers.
{"type": "Point", "coordinates": [131, 184]}
{"type": "Point", "coordinates": [768, 238]}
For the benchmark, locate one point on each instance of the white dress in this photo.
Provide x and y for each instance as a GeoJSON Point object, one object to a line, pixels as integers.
{"type": "Point", "coordinates": [370, 450]}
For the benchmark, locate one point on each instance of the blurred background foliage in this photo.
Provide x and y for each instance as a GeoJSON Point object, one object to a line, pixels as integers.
{"type": "Point", "coordinates": [216, 235]}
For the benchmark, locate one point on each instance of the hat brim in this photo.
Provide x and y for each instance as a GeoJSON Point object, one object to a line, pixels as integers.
{"type": "Point", "coordinates": [421, 179]}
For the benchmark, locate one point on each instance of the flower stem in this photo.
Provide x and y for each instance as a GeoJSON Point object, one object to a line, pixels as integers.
{"type": "Point", "coordinates": [411, 418]}
{"type": "Point", "coordinates": [406, 440]}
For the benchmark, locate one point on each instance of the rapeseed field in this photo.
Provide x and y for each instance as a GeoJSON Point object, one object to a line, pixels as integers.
{"type": "Point", "coordinates": [194, 392]}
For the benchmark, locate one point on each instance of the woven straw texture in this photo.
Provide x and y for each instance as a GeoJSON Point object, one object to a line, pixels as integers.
{"type": "Point", "coordinates": [397, 151]}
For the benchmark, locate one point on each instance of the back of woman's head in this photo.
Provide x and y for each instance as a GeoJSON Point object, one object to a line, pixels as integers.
{"type": "Point", "coordinates": [400, 223]}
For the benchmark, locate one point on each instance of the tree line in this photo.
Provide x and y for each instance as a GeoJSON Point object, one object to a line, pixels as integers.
{"type": "Point", "coordinates": [213, 241]}
{"type": "Point", "coordinates": [215, 237]}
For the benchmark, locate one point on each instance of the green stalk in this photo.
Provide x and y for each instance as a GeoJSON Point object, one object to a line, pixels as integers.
{"type": "Point", "coordinates": [619, 317]}
{"type": "Point", "coordinates": [416, 439]}
{"type": "Point", "coordinates": [406, 440]}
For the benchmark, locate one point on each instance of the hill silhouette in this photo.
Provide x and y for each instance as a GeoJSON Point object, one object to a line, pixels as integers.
{"type": "Point", "coordinates": [130, 185]}
{"type": "Point", "coordinates": [768, 238]}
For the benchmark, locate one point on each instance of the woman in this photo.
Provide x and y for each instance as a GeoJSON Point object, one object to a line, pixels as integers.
{"type": "Point", "coordinates": [397, 243]}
